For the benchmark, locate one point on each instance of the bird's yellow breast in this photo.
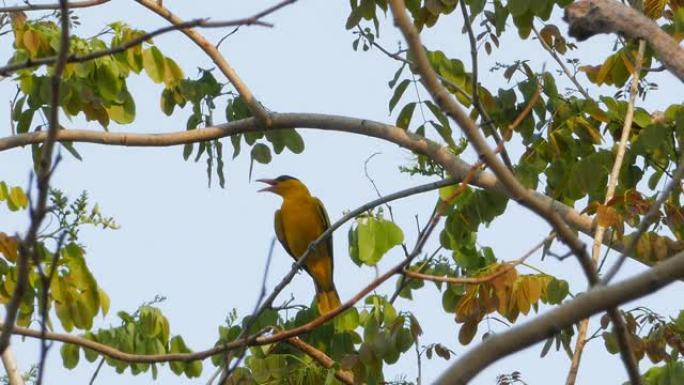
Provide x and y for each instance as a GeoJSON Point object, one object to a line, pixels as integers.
{"type": "Point", "coordinates": [302, 224]}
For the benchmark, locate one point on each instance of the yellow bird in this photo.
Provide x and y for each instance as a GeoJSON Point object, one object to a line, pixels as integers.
{"type": "Point", "coordinates": [301, 220]}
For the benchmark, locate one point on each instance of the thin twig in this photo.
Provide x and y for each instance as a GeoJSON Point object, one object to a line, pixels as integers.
{"type": "Point", "coordinates": [254, 105]}
{"type": "Point", "coordinates": [196, 23]}
{"type": "Point", "coordinates": [476, 84]}
{"type": "Point", "coordinates": [255, 314]}
{"type": "Point", "coordinates": [625, 347]}
{"type": "Point", "coordinates": [28, 246]}
{"type": "Point", "coordinates": [481, 356]}
{"type": "Point", "coordinates": [558, 60]}
{"type": "Point", "coordinates": [478, 280]}
{"type": "Point", "coordinates": [97, 371]}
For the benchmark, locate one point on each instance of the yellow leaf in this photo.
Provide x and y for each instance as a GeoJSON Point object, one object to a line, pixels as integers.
{"type": "Point", "coordinates": [18, 197]}
{"type": "Point", "coordinates": [608, 216]}
{"type": "Point", "coordinates": [31, 41]}
{"type": "Point", "coordinates": [172, 73]}
{"type": "Point", "coordinates": [104, 301]}
{"type": "Point", "coordinates": [8, 247]}
{"type": "Point", "coordinates": [654, 8]}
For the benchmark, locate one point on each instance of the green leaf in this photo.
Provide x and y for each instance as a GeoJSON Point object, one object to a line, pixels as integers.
{"type": "Point", "coordinates": [70, 355]}
{"type": "Point", "coordinates": [375, 237]}
{"type": "Point", "coordinates": [398, 92]}
{"type": "Point", "coordinates": [24, 121]}
{"type": "Point", "coordinates": [123, 113]}
{"type": "Point", "coordinates": [154, 64]}
{"type": "Point", "coordinates": [261, 153]}
{"type": "Point", "coordinates": [518, 7]}
{"type": "Point", "coordinates": [556, 291]}
{"type": "Point", "coordinates": [293, 141]}
{"type": "Point", "coordinates": [405, 115]}
{"type": "Point", "coordinates": [17, 198]}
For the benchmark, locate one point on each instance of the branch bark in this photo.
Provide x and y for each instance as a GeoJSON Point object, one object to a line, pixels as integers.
{"type": "Point", "coordinates": [587, 18]}
{"type": "Point", "coordinates": [10, 363]}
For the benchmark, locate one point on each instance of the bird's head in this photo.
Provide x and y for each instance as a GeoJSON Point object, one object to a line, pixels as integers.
{"type": "Point", "coordinates": [284, 186]}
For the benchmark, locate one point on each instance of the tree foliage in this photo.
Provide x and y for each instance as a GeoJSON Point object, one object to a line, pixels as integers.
{"type": "Point", "coordinates": [565, 142]}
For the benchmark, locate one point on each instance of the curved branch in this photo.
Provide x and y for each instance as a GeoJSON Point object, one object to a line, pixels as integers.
{"type": "Point", "coordinates": [587, 18]}
{"type": "Point", "coordinates": [455, 165]}
{"type": "Point", "coordinates": [254, 106]}
{"type": "Point", "coordinates": [563, 316]}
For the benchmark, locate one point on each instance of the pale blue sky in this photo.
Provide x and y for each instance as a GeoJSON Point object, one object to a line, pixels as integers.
{"type": "Point", "coordinates": [204, 248]}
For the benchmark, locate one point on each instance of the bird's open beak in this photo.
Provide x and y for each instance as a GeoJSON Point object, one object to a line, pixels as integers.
{"type": "Point", "coordinates": [271, 182]}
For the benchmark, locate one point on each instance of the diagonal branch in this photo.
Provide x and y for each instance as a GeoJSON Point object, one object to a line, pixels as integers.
{"type": "Point", "coordinates": [587, 18]}
{"type": "Point", "coordinates": [254, 105]}
{"type": "Point", "coordinates": [10, 363]}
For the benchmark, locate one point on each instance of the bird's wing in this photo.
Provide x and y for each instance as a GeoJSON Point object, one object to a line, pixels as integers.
{"type": "Point", "coordinates": [280, 233]}
{"type": "Point", "coordinates": [326, 224]}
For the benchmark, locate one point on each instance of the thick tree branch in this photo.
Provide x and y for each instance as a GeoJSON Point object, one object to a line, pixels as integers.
{"type": "Point", "coordinates": [456, 166]}
{"type": "Point", "coordinates": [49, 7]}
{"type": "Point", "coordinates": [516, 190]}
{"type": "Point", "coordinates": [254, 105]}
{"type": "Point", "coordinates": [10, 363]}
{"type": "Point", "coordinates": [587, 18]}
{"type": "Point", "coordinates": [593, 302]}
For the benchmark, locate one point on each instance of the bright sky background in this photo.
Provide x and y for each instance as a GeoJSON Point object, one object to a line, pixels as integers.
{"type": "Point", "coordinates": [205, 248]}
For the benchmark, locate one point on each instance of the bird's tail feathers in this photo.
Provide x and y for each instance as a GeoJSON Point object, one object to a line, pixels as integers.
{"type": "Point", "coordinates": [328, 300]}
